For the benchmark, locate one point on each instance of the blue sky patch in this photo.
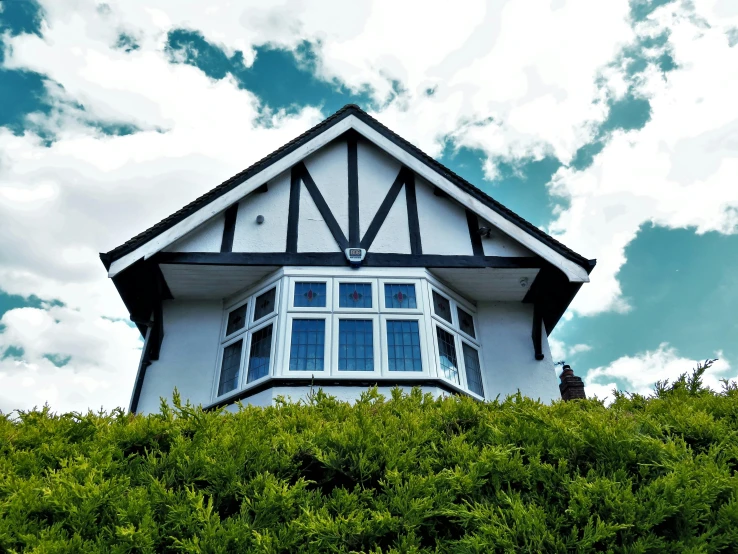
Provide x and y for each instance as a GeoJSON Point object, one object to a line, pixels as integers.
{"type": "Point", "coordinates": [282, 79]}
{"type": "Point", "coordinates": [683, 288]}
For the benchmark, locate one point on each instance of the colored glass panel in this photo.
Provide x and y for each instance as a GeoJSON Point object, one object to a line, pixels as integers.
{"type": "Point", "coordinates": [236, 319]}
{"type": "Point", "coordinates": [310, 295]}
{"type": "Point", "coordinates": [355, 295]}
{"type": "Point", "coordinates": [466, 322]}
{"type": "Point", "coordinates": [400, 296]}
{"type": "Point", "coordinates": [264, 303]}
{"type": "Point", "coordinates": [441, 306]}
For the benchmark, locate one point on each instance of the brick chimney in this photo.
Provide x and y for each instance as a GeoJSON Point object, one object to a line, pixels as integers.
{"type": "Point", "coordinates": [571, 386]}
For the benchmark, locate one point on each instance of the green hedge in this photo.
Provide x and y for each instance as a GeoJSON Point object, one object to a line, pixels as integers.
{"type": "Point", "coordinates": [400, 474]}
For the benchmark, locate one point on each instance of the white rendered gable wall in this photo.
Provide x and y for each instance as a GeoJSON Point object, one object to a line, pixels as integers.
{"type": "Point", "coordinates": [443, 225]}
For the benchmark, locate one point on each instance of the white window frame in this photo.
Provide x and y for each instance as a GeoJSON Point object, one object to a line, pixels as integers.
{"type": "Point", "coordinates": [336, 372]}
{"type": "Point", "coordinates": [463, 340]}
{"type": "Point", "coordinates": [247, 321]}
{"type": "Point", "coordinates": [454, 323]}
{"type": "Point", "coordinates": [327, 342]}
{"type": "Point", "coordinates": [272, 353]}
{"type": "Point", "coordinates": [310, 279]}
{"type": "Point", "coordinates": [338, 281]}
{"type": "Point", "coordinates": [219, 365]}
{"type": "Point", "coordinates": [424, 359]}
{"type": "Point", "coordinates": [436, 323]}
{"type": "Point", "coordinates": [419, 296]}
{"type": "Point", "coordinates": [260, 291]}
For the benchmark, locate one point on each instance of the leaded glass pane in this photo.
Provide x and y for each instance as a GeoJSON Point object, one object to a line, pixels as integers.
{"type": "Point", "coordinates": [229, 367]}
{"type": "Point", "coordinates": [466, 322]}
{"type": "Point", "coordinates": [473, 371]}
{"type": "Point", "coordinates": [447, 354]}
{"type": "Point", "coordinates": [261, 351]}
{"type": "Point", "coordinates": [264, 303]}
{"type": "Point", "coordinates": [400, 296]}
{"type": "Point", "coordinates": [355, 295]}
{"type": "Point", "coordinates": [236, 319]}
{"type": "Point", "coordinates": [355, 345]}
{"type": "Point", "coordinates": [307, 347]}
{"type": "Point", "coordinates": [441, 306]}
{"type": "Point", "coordinates": [403, 346]}
{"type": "Point", "coordinates": [310, 295]}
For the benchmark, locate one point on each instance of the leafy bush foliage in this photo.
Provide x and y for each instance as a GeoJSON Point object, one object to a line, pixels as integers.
{"type": "Point", "coordinates": [403, 474]}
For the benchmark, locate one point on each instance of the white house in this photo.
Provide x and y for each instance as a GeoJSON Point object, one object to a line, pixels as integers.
{"type": "Point", "coordinates": [346, 258]}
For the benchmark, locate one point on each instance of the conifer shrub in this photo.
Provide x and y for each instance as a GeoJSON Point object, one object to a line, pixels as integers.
{"type": "Point", "coordinates": [407, 473]}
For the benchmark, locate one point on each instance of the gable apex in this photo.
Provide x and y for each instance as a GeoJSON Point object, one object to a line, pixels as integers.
{"type": "Point", "coordinates": [349, 118]}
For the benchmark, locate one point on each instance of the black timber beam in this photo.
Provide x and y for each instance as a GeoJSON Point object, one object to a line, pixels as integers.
{"type": "Point", "coordinates": [339, 259]}
{"type": "Point", "coordinates": [536, 332]}
{"type": "Point", "coordinates": [316, 384]}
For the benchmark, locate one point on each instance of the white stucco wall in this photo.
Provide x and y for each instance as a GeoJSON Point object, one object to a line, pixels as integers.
{"type": "Point", "coordinates": [499, 244]}
{"type": "Point", "coordinates": [329, 169]}
{"type": "Point", "coordinates": [394, 235]}
{"type": "Point", "coordinates": [313, 234]}
{"type": "Point", "coordinates": [376, 171]}
{"type": "Point", "coordinates": [270, 236]}
{"type": "Point", "coordinates": [206, 238]}
{"type": "Point", "coordinates": [509, 357]}
{"type": "Point", "coordinates": [443, 226]}
{"type": "Point", "coordinates": [188, 354]}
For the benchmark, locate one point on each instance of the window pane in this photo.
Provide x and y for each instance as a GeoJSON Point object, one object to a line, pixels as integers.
{"type": "Point", "coordinates": [261, 351]}
{"type": "Point", "coordinates": [400, 296]}
{"type": "Point", "coordinates": [466, 322]}
{"type": "Point", "coordinates": [355, 345]}
{"type": "Point", "coordinates": [473, 371]}
{"type": "Point", "coordinates": [309, 295]}
{"type": "Point", "coordinates": [236, 319]}
{"type": "Point", "coordinates": [447, 354]}
{"type": "Point", "coordinates": [441, 306]}
{"type": "Point", "coordinates": [355, 295]}
{"type": "Point", "coordinates": [264, 304]}
{"type": "Point", "coordinates": [403, 346]}
{"type": "Point", "coordinates": [308, 345]}
{"type": "Point", "coordinates": [229, 367]}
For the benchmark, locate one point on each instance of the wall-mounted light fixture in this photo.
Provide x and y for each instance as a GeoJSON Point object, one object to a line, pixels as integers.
{"type": "Point", "coordinates": [259, 219]}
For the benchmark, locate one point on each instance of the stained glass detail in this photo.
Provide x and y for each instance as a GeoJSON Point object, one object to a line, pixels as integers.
{"type": "Point", "coordinates": [355, 295]}
{"type": "Point", "coordinates": [264, 303]}
{"type": "Point", "coordinates": [261, 350]}
{"type": "Point", "coordinates": [310, 295]}
{"type": "Point", "coordinates": [307, 348]}
{"type": "Point", "coordinates": [400, 296]}
{"type": "Point", "coordinates": [466, 322]}
{"type": "Point", "coordinates": [441, 306]}
{"type": "Point", "coordinates": [236, 319]}
{"type": "Point", "coordinates": [403, 346]}
{"type": "Point", "coordinates": [447, 355]}
{"type": "Point", "coordinates": [473, 370]}
{"type": "Point", "coordinates": [355, 345]}
{"type": "Point", "coordinates": [229, 367]}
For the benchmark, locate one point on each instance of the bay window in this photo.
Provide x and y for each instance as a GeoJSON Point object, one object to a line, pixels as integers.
{"type": "Point", "coordinates": [341, 326]}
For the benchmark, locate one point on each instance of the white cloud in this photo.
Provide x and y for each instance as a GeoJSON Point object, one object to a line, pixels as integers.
{"type": "Point", "coordinates": [101, 355]}
{"type": "Point", "coordinates": [639, 373]}
{"type": "Point", "coordinates": [678, 171]}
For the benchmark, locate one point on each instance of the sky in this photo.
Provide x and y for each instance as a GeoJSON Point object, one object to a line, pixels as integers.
{"type": "Point", "coordinates": [611, 125]}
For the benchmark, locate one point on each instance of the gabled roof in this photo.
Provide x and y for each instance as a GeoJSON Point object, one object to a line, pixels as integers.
{"type": "Point", "coordinates": [348, 110]}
